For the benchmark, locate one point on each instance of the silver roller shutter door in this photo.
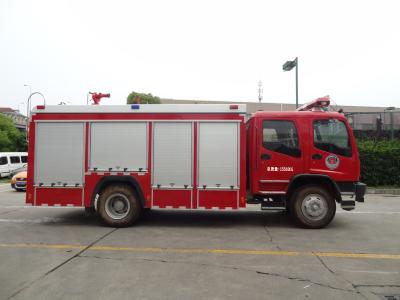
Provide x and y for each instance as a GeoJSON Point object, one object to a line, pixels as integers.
{"type": "Point", "coordinates": [119, 146]}
{"type": "Point", "coordinates": [172, 154]}
{"type": "Point", "coordinates": [218, 155]}
{"type": "Point", "coordinates": [59, 154]}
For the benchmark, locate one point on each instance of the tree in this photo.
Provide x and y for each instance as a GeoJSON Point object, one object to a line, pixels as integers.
{"type": "Point", "coordinates": [11, 139]}
{"type": "Point", "coordinates": [135, 97]}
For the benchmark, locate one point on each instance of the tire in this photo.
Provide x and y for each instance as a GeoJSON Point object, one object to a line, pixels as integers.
{"type": "Point", "coordinates": [312, 207]}
{"type": "Point", "coordinates": [119, 206]}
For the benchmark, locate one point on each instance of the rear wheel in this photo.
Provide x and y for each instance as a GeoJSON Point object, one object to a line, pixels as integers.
{"type": "Point", "coordinates": [119, 206]}
{"type": "Point", "coordinates": [312, 206]}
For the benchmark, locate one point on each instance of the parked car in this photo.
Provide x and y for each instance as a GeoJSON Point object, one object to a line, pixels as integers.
{"type": "Point", "coordinates": [12, 161]}
{"type": "Point", "coordinates": [18, 181]}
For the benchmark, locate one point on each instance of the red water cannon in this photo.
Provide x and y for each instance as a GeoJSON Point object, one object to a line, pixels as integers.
{"type": "Point", "coordinates": [96, 97]}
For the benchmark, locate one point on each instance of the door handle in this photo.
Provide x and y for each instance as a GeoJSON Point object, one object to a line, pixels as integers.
{"type": "Point", "coordinates": [316, 156]}
{"type": "Point", "coordinates": [265, 156]}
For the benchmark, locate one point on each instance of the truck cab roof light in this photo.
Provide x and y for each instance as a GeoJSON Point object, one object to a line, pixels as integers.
{"type": "Point", "coordinates": [316, 105]}
{"type": "Point", "coordinates": [233, 106]}
{"type": "Point", "coordinates": [40, 107]}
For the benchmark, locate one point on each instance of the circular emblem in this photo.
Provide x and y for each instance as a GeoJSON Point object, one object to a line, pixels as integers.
{"type": "Point", "coordinates": [332, 162]}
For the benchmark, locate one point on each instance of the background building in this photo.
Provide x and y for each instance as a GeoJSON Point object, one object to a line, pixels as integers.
{"type": "Point", "coordinates": [255, 106]}
{"type": "Point", "coordinates": [371, 121]}
{"type": "Point", "coordinates": [18, 118]}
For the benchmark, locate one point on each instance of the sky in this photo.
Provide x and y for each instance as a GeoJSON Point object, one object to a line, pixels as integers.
{"type": "Point", "coordinates": [200, 50]}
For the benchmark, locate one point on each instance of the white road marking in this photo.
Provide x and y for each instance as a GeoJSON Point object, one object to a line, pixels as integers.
{"type": "Point", "coordinates": [34, 221]}
{"type": "Point", "coordinates": [37, 207]}
{"type": "Point", "coordinates": [366, 271]}
{"type": "Point", "coordinates": [369, 212]}
{"type": "Point", "coordinates": [80, 207]}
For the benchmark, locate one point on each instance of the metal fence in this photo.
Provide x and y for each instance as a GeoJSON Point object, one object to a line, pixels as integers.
{"type": "Point", "coordinates": [375, 125]}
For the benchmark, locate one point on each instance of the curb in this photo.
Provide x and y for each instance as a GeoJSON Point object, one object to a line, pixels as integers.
{"type": "Point", "coordinates": [383, 191]}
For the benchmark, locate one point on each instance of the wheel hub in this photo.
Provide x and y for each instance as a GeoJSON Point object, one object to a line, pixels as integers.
{"type": "Point", "coordinates": [117, 206]}
{"type": "Point", "coordinates": [314, 206]}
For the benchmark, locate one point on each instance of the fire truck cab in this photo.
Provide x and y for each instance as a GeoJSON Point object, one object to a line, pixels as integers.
{"type": "Point", "coordinates": [303, 162]}
{"type": "Point", "coordinates": [120, 161]}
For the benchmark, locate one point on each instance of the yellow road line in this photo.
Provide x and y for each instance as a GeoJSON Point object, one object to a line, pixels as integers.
{"type": "Point", "coordinates": [359, 255]}
{"type": "Point", "coordinates": [207, 251]}
{"type": "Point", "coordinates": [43, 246]}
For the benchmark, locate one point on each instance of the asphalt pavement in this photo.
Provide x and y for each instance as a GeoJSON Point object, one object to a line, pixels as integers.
{"type": "Point", "coordinates": [63, 253]}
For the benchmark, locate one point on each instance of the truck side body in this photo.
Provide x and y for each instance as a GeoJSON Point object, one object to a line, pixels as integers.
{"type": "Point", "coordinates": [161, 153]}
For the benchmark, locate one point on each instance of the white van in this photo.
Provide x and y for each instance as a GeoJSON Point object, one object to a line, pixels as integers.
{"type": "Point", "coordinates": [11, 161]}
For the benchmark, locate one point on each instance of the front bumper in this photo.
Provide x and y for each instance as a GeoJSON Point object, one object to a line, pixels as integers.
{"type": "Point", "coordinates": [351, 193]}
{"type": "Point", "coordinates": [20, 185]}
{"type": "Point", "coordinates": [360, 190]}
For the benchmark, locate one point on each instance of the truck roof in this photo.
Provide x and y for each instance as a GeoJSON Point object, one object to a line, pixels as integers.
{"type": "Point", "coordinates": [143, 108]}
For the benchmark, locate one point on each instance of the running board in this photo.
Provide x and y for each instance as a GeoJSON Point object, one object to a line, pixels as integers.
{"type": "Point", "coordinates": [253, 201]}
{"type": "Point", "coordinates": [272, 205]}
{"type": "Point", "coordinates": [348, 204]}
{"type": "Point", "coordinates": [277, 208]}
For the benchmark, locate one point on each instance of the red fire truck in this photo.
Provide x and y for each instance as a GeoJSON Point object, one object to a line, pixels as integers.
{"type": "Point", "coordinates": [120, 161]}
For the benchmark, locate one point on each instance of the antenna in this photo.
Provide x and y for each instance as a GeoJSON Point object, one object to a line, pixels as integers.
{"type": "Point", "coordinates": [260, 91]}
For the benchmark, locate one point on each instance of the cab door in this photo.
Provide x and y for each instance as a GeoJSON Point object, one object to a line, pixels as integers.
{"type": "Point", "coordinates": [331, 149]}
{"type": "Point", "coordinates": [280, 154]}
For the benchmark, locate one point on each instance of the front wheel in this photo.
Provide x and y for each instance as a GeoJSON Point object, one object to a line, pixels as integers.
{"type": "Point", "coordinates": [312, 207]}
{"type": "Point", "coordinates": [119, 206]}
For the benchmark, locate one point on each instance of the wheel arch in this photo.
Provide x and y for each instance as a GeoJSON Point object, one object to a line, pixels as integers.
{"type": "Point", "coordinates": [110, 180]}
{"type": "Point", "coordinates": [317, 179]}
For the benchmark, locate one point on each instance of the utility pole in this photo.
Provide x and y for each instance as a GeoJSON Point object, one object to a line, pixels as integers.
{"type": "Point", "coordinates": [290, 64]}
{"type": "Point", "coordinates": [297, 82]}
{"type": "Point", "coordinates": [260, 91]}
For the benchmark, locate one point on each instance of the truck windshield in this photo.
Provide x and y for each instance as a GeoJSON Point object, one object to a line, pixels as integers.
{"type": "Point", "coordinates": [332, 136]}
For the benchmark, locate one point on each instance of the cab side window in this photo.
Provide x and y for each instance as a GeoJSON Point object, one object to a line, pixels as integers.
{"type": "Point", "coordinates": [24, 159]}
{"type": "Point", "coordinates": [331, 135]}
{"type": "Point", "coordinates": [281, 136]}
